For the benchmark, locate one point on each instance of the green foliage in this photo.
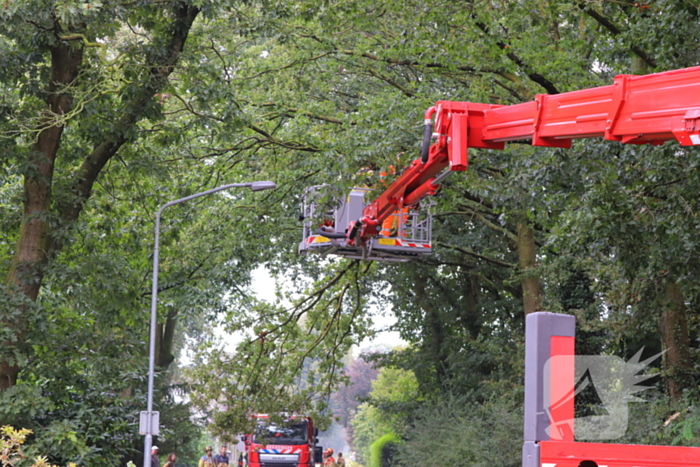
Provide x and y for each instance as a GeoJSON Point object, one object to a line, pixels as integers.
{"type": "Point", "coordinates": [11, 455]}
{"type": "Point", "coordinates": [393, 385]}
{"type": "Point", "coordinates": [686, 430]}
{"type": "Point", "coordinates": [305, 93]}
{"type": "Point", "coordinates": [182, 432]}
{"type": "Point", "coordinates": [662, 421]}
{"type": "Point", "coordinates": [81, 344]}
{"type": "Point", "coordinates": [469, 434]}
{"type": "Point", "coordinates": [368, 425]}
{"type": "Point", "coordinates": [393, 397]}
{"type": "Point", "coordinates": [382, 451]}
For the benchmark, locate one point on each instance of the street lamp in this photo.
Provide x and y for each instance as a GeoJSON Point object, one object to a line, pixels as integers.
{"type": "Point", "coordinates": [149, 423]}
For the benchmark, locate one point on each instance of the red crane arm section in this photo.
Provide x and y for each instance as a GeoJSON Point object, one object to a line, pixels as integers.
{"type": "Point", "coordinates": [635, 110]}
{"type": "Point", "coordinates": [647, 109]}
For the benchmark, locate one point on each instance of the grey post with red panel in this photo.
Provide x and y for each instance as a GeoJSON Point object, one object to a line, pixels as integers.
{"type": "Point", "coordinates": [546, 335]}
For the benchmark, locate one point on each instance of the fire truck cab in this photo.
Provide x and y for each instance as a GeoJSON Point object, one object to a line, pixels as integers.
{"type": "Point", "coordinates": [289, 443]}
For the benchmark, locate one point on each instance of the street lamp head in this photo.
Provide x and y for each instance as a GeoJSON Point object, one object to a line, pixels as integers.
{"type": "Point", "coordinates": [260, 186]}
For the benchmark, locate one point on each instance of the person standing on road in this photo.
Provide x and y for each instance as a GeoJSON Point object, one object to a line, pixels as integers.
{"type": "Point", "coordinates": [330, 461]}
{"type": "Point", "coordinates": [207, 460]}
{"type": "Point", "coordinates": [155, 462]}
{"type": "Point", "coordinates": [221, 459]}
{"type": "Point", "coordinates": [341, 460]}
{"type": "Point", "coordinates": [171, 460]}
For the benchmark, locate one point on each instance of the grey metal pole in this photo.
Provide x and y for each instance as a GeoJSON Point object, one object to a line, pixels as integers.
{"type": "Point", "coordinates": [255, 186]}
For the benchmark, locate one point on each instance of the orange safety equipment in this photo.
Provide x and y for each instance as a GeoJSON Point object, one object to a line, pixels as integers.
{"type": "Point", "coordinates": [390, 225]}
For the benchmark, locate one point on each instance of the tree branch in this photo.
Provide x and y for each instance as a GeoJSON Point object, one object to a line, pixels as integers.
{"type": "Point", "coordinates": [293, 110]}
{"type": "Point", "coordinates": [614, 30]}
{"type": "Point", "coordinates": [535, 77]}
{"type": "Point", "coordinates": [390, 81]}
{"type": "Point", "coordinates": [135, 111]}
{"type": "Point", "coordinates": [474, 254]}
{"type": "Point", "coordinates": [268, 138]}
{"type": "Point", "coordinates": [416, 64]}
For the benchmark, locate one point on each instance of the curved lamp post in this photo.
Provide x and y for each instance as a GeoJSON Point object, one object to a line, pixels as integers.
{"type": "Point", "coordinates": [149, 419]}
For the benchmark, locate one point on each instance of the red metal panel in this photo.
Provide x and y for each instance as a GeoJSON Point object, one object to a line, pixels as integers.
{"type": "Point", "coordinates": [636, 109]}
{"type": "Point", "coordinates": [654, 103]}
{"type": "Point", "coordinates": [561, 388]}
{"type": "Point", "coordinates": [570, 454]}
{"type": "Point", "coordinates": [457, 142]}
{"type": "Point", "coordinates": [578, 114]}
{"type": "Point", "coordinates": [510, 122]}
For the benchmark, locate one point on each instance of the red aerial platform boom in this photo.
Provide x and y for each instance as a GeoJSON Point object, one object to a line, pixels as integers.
{"type": "Point", "coordinates": [646, 109]}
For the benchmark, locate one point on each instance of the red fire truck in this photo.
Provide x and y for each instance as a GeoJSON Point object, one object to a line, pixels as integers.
{"type": "Point", "coordinates": [290, 442]}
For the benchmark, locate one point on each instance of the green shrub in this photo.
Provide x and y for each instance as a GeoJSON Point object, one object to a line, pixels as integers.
{"type": "Point", "coordinates": [11, 455]}
{"type": "Point", "coordinates": [381, 452]}
{"type": "Point", "coordinates": [462, 433]}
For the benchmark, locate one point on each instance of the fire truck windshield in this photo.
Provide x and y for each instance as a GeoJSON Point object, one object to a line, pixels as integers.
{"type": "Point", "coordinates": [286, 434]}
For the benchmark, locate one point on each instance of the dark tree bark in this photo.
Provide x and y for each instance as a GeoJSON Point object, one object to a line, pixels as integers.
{"type": "Point", "coordinates": [469, 312]}
{"type": "Point", "coordinates": [165, 339]}
{"type": "Point", "coordinates": [31, 255]}
{"type": "Point", "coordinates": [433, 331]}
{"type": "Point", "coordinates": [675, 340]}
{"type": "Point", "coordinates": [527, 254]}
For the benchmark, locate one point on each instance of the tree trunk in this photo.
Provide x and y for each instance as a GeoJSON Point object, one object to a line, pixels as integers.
{"type": "Point", "coordinates": [165, 340]}
{"type": "Point", "coordinates": [468, 309]}
{"type": "Point", "coordinates": [527, 254]}
{"type": "Point", "coordinates": [433, 332]}
{"type": "Point", "coordinates": [675, 340]}
{"type": "Point", "coordinates": [31, 255]}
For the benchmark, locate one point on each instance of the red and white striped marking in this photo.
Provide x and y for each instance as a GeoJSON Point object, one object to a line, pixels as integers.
{"type": "Point", "coordinates": [394, 242]}
{"type": "Point", "coordinates": [317, 239]}
{"type": "Point", "coordinates": [275, 449]}
{"type": "Point", "coordinates": [412, 245]}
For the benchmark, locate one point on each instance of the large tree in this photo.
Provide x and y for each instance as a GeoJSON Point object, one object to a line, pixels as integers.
{"type": "Point", "coordinates": [78, 102]}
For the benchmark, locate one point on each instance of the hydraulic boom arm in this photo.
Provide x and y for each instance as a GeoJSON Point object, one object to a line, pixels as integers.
{"type": "Point", "coordinates": [646, 109]}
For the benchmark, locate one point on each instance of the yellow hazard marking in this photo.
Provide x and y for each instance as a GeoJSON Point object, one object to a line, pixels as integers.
{"type": "Point", "coordinates": [321, 240]}
{"type": "Point", "coordinates": [387, 241]}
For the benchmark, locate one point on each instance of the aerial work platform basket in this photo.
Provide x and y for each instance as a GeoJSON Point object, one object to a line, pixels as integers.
{"type": "Point", "coordinates": [326, 231]}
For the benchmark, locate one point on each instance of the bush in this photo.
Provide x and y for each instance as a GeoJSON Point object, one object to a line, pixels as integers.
{"type": "Point", "coordinates": [477, 435]}
{"type": "Point", "coordinates": [383, 450]}
{"type": "Point", "coordinates": [11, 454]}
